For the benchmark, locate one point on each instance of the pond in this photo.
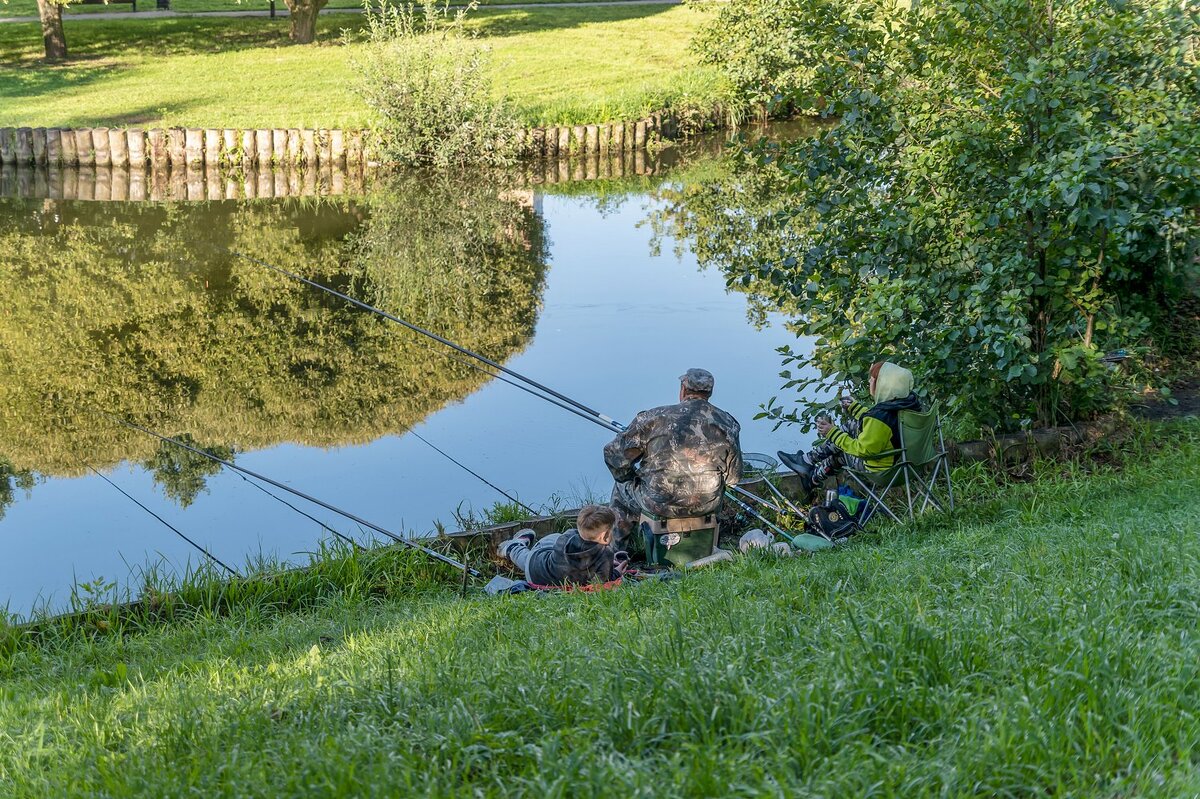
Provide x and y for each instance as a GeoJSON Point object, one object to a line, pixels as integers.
{"type": "Point", "coordinates": [139, 309]}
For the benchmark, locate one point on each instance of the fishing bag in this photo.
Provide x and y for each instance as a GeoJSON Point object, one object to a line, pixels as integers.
{"type": "Point", "coordinates": [836, 518]}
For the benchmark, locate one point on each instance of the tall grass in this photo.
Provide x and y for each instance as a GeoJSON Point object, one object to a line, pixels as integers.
{"type": "Point", "coordinates": [1041, 642]}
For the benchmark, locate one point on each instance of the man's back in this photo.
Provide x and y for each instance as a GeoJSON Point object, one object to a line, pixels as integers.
{"type": "Point", "coordinates": [688, 452]}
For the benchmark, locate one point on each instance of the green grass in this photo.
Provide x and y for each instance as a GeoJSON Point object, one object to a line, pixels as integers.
{"type": "Point", "coordinates": [28, 8]}
{"type": "Point", "coordinates": [1044, 643]}
{"type": "Point", "coordinates": [567, 65]}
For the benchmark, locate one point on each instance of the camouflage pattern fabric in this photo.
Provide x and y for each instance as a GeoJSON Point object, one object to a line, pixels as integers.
{"type": "Point", "coordinates": [673, 461]}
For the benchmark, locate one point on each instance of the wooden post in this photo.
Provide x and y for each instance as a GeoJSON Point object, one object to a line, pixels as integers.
{"type": "Point", "coordinates": [579, 166]}
{"type": "Point", "coordinates": [604, 138]}
{"type": "Point", "coordinates": [100, 145]}
{"type": "Point", "coordinates": [177, 151]}
{"type": "Point", "coordinates": [249, 182]}
{"type": "Point", "coordinates": [354, 150]}
{"type": "Point", "coordinates": [551, 135]}
{"type": "Point", "coordinates": [293, 146]}
{"type": "Point", "coordinates": [279, 145]}
{"type": "Point", "coordinates": [38, 145]}
{"type": "Point", "coordinates": [593, 138]}
{"type": "Point", "coordinates": [212, 148]}
{"type": "Point", "coordinates": [308, 147]}
{"type": "Point", "coordinates": [229, 148]}
{"type": "Point", "coordinates": [324, 151]}
{"type": "Point", "coordinates": [156, 145]}
{"type": "Point", "coordinates": [578, 139]}
{"type": "Point", "coordinates": [118, 147]}
{"type": "Point", "coordinates": [564, 141]}
{"type": "Point", "coordinates": [54, 146]}
{"type": "Point", "coordinates": [84, 153]}
{"type": "Point", "coordinates": [279, 178]}
{"type": "Point", "coordinates": [8, 146]}
{"type": "Point", "coordinates": [66, 140]}
{"type": "Point", "coordinates": [639, 135]}
{"type": "Point", "coordinates": [538, 139]}
{"type": "Point", "coordinates": [24, 145]}
{"type": "Point", "coordinates": [249, 151]}
{"type": "Point", "coordinates": [639, 161]}
{"type": "Point", "coordinates": [262, 139]}
{"type": "Point", "coordinates": [521, 142]}
{"type": "Point", "coordinates": [135, 141]}
{"type": "Point", "coordinates": [617, 142]}
{"type": "Point", "coordinates": [337, 150]}
{"type": "Point", "coordinates": [193, 146]}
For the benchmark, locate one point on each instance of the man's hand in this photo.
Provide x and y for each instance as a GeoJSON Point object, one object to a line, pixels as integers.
{"type": "Point", "coordinates": [823, 426]}
{"type": "Point", "coordinates": [621, 562]}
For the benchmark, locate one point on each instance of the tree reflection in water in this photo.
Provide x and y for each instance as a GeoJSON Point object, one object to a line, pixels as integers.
{"type": "Point", "coordinates": [140, 310]}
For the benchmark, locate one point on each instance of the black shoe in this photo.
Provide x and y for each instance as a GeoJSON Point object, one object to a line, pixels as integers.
{"type": "Point", "coordinates": [797, 464]}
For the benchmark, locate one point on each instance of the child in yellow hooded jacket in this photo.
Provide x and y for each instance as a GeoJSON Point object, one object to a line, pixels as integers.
{"type": "Point", "coordinates": [869, 434]}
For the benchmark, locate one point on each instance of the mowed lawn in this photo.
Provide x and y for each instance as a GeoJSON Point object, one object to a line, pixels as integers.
{"type": "Point", "coordinates": [561, 65]}
{"type": "Point", "coordinates": [1044, 643]}
{"type": "Point", "coordinates": [28, 8]}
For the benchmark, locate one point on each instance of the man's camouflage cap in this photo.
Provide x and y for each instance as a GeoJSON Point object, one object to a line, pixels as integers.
{"type": "Point", "coordinates": [698, 380]}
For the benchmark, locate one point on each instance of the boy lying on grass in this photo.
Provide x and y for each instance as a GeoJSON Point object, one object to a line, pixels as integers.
{"type": "Point", "coordinates": [577, 557]}
{"type": "Point", "coordinates": [866, 434]}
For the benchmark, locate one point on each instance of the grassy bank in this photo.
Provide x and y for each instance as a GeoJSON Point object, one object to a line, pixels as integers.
{"type": "Point", "coordinates": [563, 65]}
{"type": "Point", "coordinates": [1043, 643]}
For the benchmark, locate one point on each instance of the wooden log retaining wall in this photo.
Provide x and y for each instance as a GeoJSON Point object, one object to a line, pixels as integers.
{"type": "Point", "coordinates": [189, 147]}
{"type": "Point", "coordinates": [181, 147]}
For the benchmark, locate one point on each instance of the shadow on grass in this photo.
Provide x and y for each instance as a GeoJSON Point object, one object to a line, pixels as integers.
{"type": "Point", "coordinates": [91, 40]}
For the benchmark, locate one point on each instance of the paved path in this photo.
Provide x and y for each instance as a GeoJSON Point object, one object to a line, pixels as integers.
{"type": "Point", "coordinates": [282, 11]}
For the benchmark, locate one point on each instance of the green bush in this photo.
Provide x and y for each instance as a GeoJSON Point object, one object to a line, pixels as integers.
{"type": "Point", "coordinates": [1008, 195]}
{"type": "Point", "coordinates": [428, 84]}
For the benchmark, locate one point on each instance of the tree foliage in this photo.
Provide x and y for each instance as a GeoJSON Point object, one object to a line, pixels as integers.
{"type": "Point", "coordinates": [1008, 194]}
{"type": "Point", "coordinates": [429, 85]}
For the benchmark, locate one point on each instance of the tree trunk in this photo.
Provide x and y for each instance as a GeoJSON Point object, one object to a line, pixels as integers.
{"type": "Point", "coordinates": [302, 18]}
{"type": "Point", "coordinates": [53, 37]}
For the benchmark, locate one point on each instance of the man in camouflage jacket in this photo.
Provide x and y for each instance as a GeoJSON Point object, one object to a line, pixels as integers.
{"type": "Point", "coordinates": [674, 461]}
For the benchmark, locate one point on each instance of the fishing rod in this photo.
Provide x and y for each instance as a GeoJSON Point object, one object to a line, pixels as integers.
{"type": "Point", "coordinates": [550, 395]}
{"type": "Point", "coordinates": [469, 471]}
{"type": "Point", "coordinates": [306, 515]}
{"type": "Point", "coordinates": [250, 473]}
{"type": "Point", "coordinates": [233, 572]}
{"type": "Point", "coordinates": [422, 331]}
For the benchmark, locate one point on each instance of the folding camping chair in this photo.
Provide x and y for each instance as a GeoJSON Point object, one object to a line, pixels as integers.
{"type": "Point", "coordinates": [920, 461]}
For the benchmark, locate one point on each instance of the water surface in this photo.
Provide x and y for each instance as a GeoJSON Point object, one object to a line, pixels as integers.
{"type": "Point", "coordinates": [139, 309]}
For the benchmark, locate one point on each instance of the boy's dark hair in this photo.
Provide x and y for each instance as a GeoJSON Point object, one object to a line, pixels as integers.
{"type": "Point", "coordinates": [595, 517]}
